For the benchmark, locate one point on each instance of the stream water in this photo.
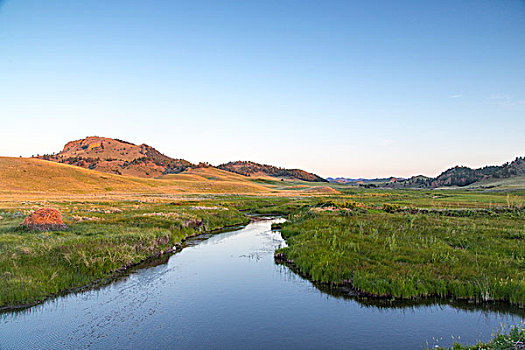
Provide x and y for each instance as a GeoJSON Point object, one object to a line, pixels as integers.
{"type": "Point", "coordinates": [226, 292]}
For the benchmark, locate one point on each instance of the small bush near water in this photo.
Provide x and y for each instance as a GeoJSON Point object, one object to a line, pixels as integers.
{"type": "Point", "coordinates": [513, 340]}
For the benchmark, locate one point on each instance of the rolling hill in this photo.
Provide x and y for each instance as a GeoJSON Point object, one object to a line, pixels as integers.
{"type": "Point", "coordinates": [32, 178]}
{"type": "Point", "coordinates": [30, 175]}
{"type": "Point", "coordinates": [97, 166]}
{"type": "Point", "coordinates": [36, 178]}
{"type": "Point", "coordinates": [259, 170]}
{"type": "Point", "coordinates": [125, 158]}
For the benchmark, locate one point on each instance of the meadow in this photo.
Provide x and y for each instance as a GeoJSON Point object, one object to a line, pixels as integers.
{"type": "Point", "coordinates": [458, 243]}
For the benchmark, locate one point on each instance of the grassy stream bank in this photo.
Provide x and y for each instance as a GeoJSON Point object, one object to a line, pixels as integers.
{"type": "Point", "coordinates": [478, 255]}
{"type": "Point", "coordinates": [103, 238]}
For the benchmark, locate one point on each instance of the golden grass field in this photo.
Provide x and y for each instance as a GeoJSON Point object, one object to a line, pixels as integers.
{"type": "Point", "coordinates": [29, 178]}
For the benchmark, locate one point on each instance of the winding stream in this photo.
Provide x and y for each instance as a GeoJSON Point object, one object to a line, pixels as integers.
{"type": "Point", "coordinates": [227, 292]}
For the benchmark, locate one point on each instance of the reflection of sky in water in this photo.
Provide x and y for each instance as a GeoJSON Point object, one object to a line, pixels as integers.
{"type": "Point", "coordinates": [227, 292]}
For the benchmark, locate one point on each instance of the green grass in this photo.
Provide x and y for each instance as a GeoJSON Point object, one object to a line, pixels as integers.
{"type": "Point", "coordinates": [480, 256]}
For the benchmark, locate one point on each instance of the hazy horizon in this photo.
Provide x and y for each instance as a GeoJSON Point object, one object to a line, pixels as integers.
{"type": "Point", "coordinates": [338, 88]}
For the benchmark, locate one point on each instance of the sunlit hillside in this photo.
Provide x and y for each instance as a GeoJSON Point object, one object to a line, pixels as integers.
{"type": "Point", "coordinates": [19, 175]}
{"type": "Point", "coordinates": [36, 178]}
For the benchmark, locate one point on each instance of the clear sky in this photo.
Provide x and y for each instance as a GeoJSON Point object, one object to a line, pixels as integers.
{"type": "Point", "coordinates": [340, 88]}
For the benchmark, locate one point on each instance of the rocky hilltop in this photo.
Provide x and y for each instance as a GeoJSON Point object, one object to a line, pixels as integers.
{"type": "Point", "coordinates": [118, 157]}
{"type": "Point", "coordinates": [255, 169]}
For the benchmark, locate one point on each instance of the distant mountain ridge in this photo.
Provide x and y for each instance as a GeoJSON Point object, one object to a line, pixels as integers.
{"type": "Point", "coordinates": [461, 176]}
{"type": "Point", "coordinates": [248, 168]}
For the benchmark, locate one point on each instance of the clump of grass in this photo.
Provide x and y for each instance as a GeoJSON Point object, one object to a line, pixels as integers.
{"type": "Point", "coordinates": [339, 204]}
{"type": "Point", "coordinates": [392, 208]}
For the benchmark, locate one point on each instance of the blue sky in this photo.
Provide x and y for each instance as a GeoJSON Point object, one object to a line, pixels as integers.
{"type": "Point", "coordinates": [340, 88]}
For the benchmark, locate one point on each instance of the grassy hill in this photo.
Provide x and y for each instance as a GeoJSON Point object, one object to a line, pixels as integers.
{"type": "Point", "coordinates": [22, 178]}
{"type": "Point", "coordinates": [210, 179]}
{"type": "Point", "coordinates": [256, 169]}
{"type": "Point", "coordinates": [510, 183]}
{"type": "Point", "coordinates": [35, 176]}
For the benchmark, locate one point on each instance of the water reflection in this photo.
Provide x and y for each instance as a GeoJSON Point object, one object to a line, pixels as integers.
{"type": "Point", "coordinates": [343, 292]}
